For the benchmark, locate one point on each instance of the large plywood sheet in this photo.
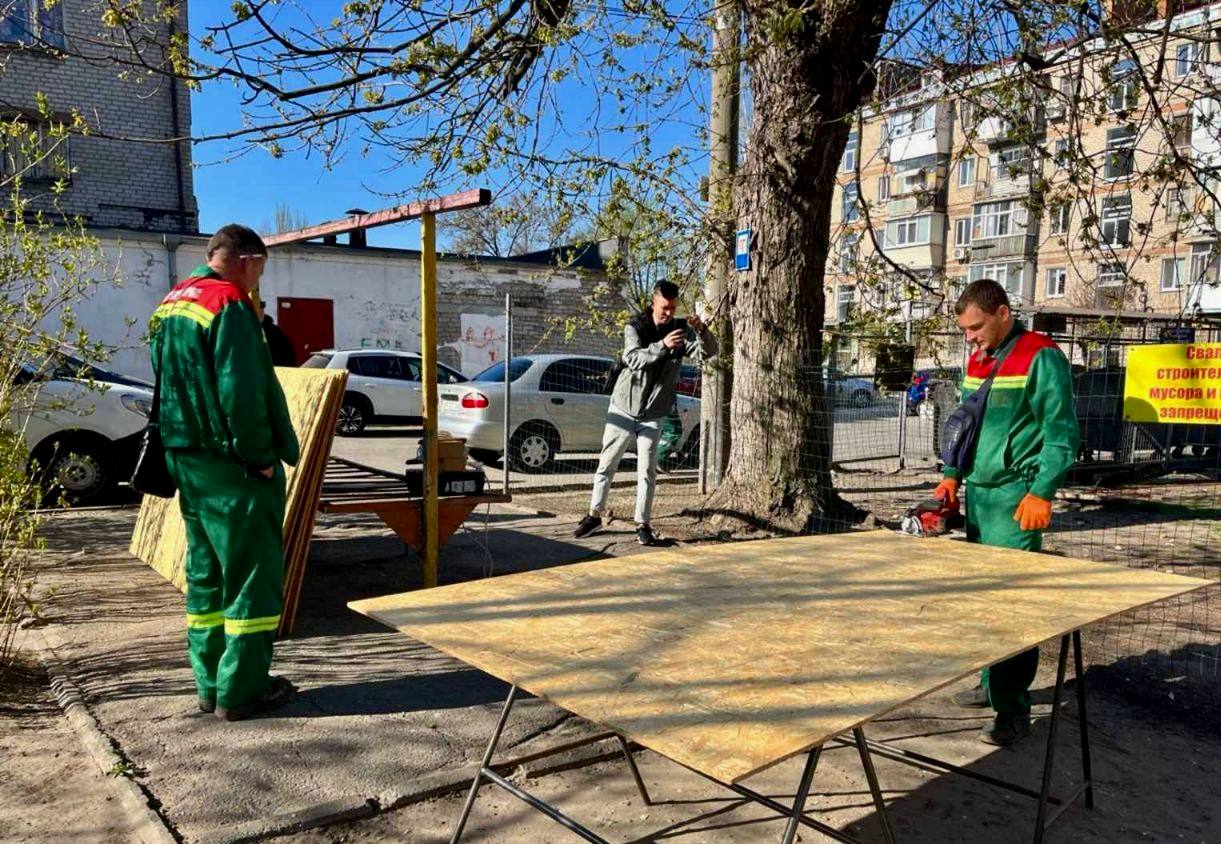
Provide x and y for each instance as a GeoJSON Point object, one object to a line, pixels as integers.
{"type": "Point", "coordinates": [313, 397]}
{"type": "Point", "coordinates": [731, 658]}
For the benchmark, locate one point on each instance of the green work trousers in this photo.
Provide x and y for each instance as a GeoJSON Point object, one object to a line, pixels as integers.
{"type": "Point", "coordinates": [235, 572]}
{"type": "Point", "coordinates": [990, 522]}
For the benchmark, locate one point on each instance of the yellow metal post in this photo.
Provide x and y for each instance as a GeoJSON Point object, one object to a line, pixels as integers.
{"type": "Point", "coordinates": [428, 353]}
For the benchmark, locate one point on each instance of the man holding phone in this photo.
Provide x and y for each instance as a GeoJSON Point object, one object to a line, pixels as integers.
{"type": "Point", "coordinates": [654, 346]}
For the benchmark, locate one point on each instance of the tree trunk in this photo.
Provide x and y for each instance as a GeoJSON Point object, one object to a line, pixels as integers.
{"type": "Point", "coordinates": [808, 76]}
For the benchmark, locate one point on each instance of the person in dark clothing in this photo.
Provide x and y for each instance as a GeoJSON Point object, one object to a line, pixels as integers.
{"type": "Point", "coordinates": [278, 344]}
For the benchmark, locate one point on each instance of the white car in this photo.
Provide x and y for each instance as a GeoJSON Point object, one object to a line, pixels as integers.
{"type": "Point", "coordinates": [81, 426]}
{"type": "Point", "coordinates": [383, 386]}
{"type": "Point", "coordinates": [559, 405]}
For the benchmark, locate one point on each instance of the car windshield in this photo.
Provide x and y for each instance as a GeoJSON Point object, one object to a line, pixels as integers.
{"type": "Point", "coordinates": [316, 362]}
{"type": "Point", "coordinates": [496, 372]}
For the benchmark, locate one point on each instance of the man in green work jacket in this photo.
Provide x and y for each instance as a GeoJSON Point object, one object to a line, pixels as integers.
{"type": "Point", "coordinates": [226, 431]}
{"type": "Point", "coordinates": [1027, 443]}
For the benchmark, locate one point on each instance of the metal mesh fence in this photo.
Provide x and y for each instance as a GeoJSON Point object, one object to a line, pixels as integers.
{"type": "Point", "coordinates": [1146, 495]}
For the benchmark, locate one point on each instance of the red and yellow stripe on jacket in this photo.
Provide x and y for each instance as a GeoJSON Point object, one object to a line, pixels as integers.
{"type": "Point", "coordinates": [1029, 433]}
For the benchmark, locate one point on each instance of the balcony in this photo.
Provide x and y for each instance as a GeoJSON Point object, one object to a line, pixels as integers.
{"type": "Point", "coordinates": [1023, 245]}
{"type": "Point", "coordinates": [1004, 185]}
{"type": "Point", "coordinates": [925, 199]}
{"type": "Point", "coordinates": [992, 130]}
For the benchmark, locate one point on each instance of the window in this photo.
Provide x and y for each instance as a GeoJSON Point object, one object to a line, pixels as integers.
{"type": "Point", "coordinates": [32, 22]}
{"type": "Point", "coordinates": [883, 188]}
{"type": "Point", "coordinates": [1110, 275]}
{"type": "Point", "coordinates": [1007, 274]}
{"type": "Point", "coordinates": [966, 172]}
{"type": "Point", "coordinates": [1061, 155]}
{"type": "Point", "coordinates": [35, 154]}
{"type": "Point", "coordinates": [378, 366]}
{"type": "Point", "coordinates": [900, 124]}
{"type": "Point", "coordinates": [879, 236]}
{"type": "Point", "coordinates": [585, 376]}
{"type": "Point", "coordinates": [968, 113]}
{"type": "Point", "coordinates": [844, 299]}
{"type": "Point", "coordinates": [848, 164]}
{"type": "Point", "coordinates": [1178, 201]}
{"type": "Point", "coordinates": [992, 219]}
{"type": "Point", "coordinates": [1120, 151]}
{"type": "Point", "coordinates": [496, 372]}
{"type": "Point", "coordinates": [1174, 270]}
{"type": "Point", "coordinates": [1011, 162]}
{"type": "Point", "coordinates": [1204, 264]}
{"type": "Point", "coordinates": [1185, 56]}
{"type": "Point", "coordinates": [909, 232]}
{"type": "Point", "coordinates": [1116, 219]}
{"type": "Point", "coordinates": [1180, 130]}
{"type": "Point", "coordinates": [849, 210]}
{"type": "Point", "coordinates": [1124, 85]}
{"type": "Point", "coordinates": [1057, 282]}
{"type": "Point", "coordinates": [926, 118]}
{"type": "Point", "coordinates": [962, 231]}
{"type": "Point", "coordinates": [1057, 218]}
{"type": "Point", "coordinates": [847, 253]}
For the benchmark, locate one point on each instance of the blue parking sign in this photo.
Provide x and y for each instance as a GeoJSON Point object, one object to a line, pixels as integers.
{"type": "Point", "coordinates": [741, 251]}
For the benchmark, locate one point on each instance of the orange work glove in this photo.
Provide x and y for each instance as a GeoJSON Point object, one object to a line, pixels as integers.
{"type": "Point", "coordinates": [947, 490]}
{"type": "Point", "coordinates": [1033, 513]}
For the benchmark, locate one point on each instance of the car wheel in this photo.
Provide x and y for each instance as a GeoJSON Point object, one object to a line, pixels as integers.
{"type": "Point", "coordinates": [79, 471]}
{"type": "Point", "coordinates": [533, 447]}
{"type": "Point", "coordinates": [862, 398]}
{"type": "Point", "coordinates": [353, 416]}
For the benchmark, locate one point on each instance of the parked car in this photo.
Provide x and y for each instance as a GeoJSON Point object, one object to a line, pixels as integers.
{"type": "Point", "coordinates": [81, 426]}
{"type": "Point", "coordinates": [559, 405]}
{"type": "Point", "coordinates": [846, 389]}
{"type": "Point", "coordinates": [383, 386]}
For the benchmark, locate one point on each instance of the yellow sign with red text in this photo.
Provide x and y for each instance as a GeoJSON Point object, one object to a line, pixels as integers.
{"type": "Point", "coordinates": [1174, 383]}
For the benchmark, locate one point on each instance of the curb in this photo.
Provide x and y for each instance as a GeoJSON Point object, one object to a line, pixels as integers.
{"type": "Point", "coordinates": [147, 823]}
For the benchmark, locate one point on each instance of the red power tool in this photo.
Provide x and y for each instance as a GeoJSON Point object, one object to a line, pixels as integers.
{"type": "Point", "coordinates": [934, 517]}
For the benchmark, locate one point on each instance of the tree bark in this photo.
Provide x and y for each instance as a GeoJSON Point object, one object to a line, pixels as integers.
{"type": "Point", "coordinates": [810, 70]}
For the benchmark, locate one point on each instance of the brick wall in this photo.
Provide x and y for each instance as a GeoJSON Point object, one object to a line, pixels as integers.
{"type": "Point", "coordinates": [118, 183]}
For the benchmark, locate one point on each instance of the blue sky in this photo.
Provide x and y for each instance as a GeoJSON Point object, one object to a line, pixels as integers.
{"type": "Point", "coordinates": [231, 185]}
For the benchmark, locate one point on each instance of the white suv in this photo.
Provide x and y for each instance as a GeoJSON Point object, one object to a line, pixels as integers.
{"type": "Point", "coordinates": [81, 426]}
{"type": "Point", "coordinates": [383, 386]}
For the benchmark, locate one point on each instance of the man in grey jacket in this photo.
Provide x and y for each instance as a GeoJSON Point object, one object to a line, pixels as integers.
{"type": "Point", "coordinates": [654, 345]}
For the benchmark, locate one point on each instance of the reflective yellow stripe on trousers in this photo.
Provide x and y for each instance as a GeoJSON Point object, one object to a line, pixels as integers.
{"type": "Point", "coordinates": [202, 621]}
{"type": "Point", "coordinates": [241, 626]}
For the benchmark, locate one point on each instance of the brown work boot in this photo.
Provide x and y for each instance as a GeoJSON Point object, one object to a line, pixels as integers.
{"type": "Point", "coordinates": [279, 692]}
{"type": "Point", "coordinates": [1006, 730]}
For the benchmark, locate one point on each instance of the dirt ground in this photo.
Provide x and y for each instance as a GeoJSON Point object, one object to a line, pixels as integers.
{"type": "Point", "coordinates": [50, 790]}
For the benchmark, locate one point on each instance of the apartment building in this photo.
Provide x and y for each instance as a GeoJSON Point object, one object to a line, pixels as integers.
{"type": "Point", "coordinates": [1061, 185]}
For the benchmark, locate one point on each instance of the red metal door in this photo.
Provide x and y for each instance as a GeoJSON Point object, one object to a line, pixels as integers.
{"type": "Point", "coordinates": [309, 324]}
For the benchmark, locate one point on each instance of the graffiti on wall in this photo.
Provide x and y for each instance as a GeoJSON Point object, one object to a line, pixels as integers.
{"type": "Point", "coordinates": [480, 343]}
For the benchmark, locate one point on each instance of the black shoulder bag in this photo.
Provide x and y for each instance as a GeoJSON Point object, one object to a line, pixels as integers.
{"type": "Point", "coordinates": [960, 433]}
{"type": "Point", "coordinates": [151, 476]}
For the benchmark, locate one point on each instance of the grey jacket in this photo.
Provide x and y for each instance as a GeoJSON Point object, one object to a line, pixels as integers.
{"type": "Point", "coordinates": [646, 386]}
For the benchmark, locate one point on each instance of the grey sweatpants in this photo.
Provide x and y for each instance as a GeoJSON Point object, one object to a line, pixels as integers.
{"type": "Point", "coordinates": [620, 430]}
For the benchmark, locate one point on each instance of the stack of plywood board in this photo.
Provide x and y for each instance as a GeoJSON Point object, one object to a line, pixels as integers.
{"type": "Point", "coordinates": [314, 397]}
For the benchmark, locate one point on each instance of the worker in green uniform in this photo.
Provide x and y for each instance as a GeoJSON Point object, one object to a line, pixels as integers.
{"type": "Point", "coordinates": [1027, 443]}
{"type": "Point", "coordinates": [226, 431]}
